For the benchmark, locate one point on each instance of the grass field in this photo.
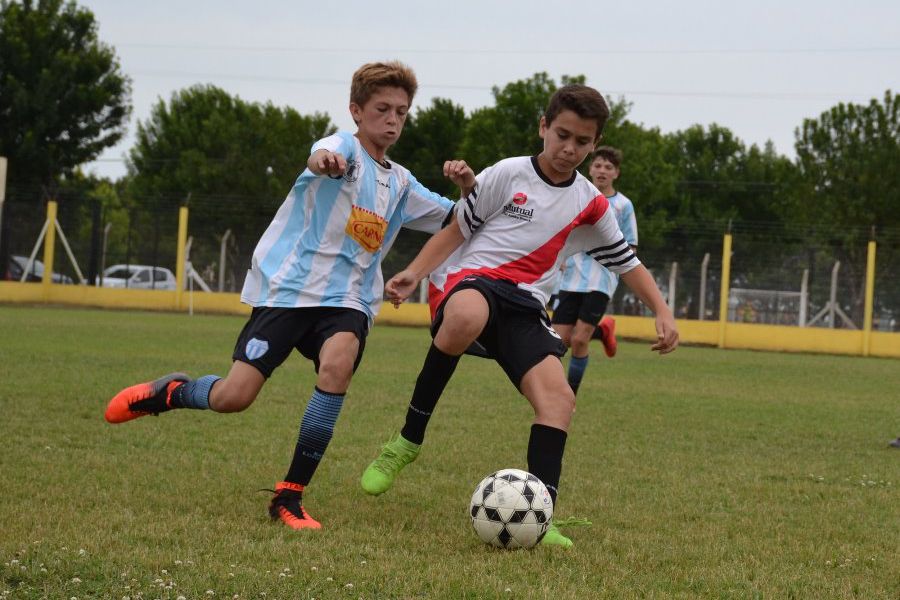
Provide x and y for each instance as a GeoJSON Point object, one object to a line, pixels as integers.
{"type": "Point", "coordinates": [706, 473]}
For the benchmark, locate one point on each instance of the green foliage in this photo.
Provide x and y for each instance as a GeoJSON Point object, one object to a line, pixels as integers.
{"type": "Point", "coordinates": [63, 98]}
{"type": "Point", "coordinates": [430, 137]}
{"type": "Point", "coordinates": [232, 161]}
{"type": "Point", "coordinates": [848, 160]}
{"type": "Point", "coordinates": [706, 473]}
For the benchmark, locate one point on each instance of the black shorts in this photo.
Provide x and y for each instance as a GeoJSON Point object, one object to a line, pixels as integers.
{"type": "Point", "coordinates": [517, 335]}
{"type": "Point", "coordinates": [271, 333]}
{"type": "Point", "coordinates": [582, 306]}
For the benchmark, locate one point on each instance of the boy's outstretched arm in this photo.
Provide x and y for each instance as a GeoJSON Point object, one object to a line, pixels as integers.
{"type": "Point", "coordinates": [433, 253]}
{"type": "Point", "coordinates": [326, 162]}
{"type": "Point", "coordinates": [642, 284]}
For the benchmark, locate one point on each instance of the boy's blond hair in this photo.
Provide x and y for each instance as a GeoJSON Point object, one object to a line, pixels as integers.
{"type": "Point", "coordinates": [371, 76]}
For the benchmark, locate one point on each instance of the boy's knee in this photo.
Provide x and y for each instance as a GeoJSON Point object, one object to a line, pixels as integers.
{"type": "Point", "coordinates": [335, 373]}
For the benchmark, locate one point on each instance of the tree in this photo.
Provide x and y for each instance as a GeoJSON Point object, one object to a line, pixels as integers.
{"type": "Point", "coordinates": [231, 161]}
{"type": "Point", "coordinates": [848, 159]}
{"type": "Point", "coordinates": [431, 136]}
{"type": "Point", "coordinates": [63, 98]}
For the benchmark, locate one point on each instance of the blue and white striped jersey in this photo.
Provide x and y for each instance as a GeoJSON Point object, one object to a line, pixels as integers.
{"type": "Point", "coordinates": [326, 243]}
{"type": "Point", "coordinates": [582, 273]}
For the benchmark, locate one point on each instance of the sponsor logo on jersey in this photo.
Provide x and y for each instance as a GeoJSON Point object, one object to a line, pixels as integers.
{"type": "Point", "coordinates": [256, 348]}
{"type": "Point", "coordinates": [517, 212]}
{"type": "Point", "coordinates": [520, 198]}
{"type": "Point", "coordinates": [366, 227]}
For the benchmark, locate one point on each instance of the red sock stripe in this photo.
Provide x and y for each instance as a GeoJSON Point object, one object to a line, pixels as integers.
{"type": "Point", "coordinates": [287, 485]}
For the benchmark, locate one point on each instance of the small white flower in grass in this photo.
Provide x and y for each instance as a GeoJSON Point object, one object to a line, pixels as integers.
{"type": "Point", "coordinates": [349, 586]}
{"type": "Point", "coordinates": [180, 598]}
{"type": "Point", "coordinates": [74, 598]}
{"type": "Point", "coordinates": [13, 562]}
{"type": "Point", "coordinates": [126, 597]}
{"type": "Point", "coordinates": [314, 568]}
{"type": "Point", "coordinates": [210, 593]}
{"type": "Point", "coordinates": [24, 568]}
{"type": "Point", "coordinates": [76, 580]}
{"type": "Point", "coordinates": [282, 574]}
{"type": "Point", "coordinates": [178, 563]}
{"type": "Point", "coordinates": [287, 569]}
{"type": "Point", "coordinates": [362, 562]}
{"type": "Point", "coordinates": [508, 590]}
{"type": "Point", "coordinates": [329, 579]}
{"type": "Point", "coordinates": [231, 574]}
{"type": "Point", "coordinates": [164, 572]}
{"type": "Point", "coordinates": [157, 580]}
{"type": "Point", "coordinates": [81, 552]}
{"type": "Point", "coordinates": [43, 570]}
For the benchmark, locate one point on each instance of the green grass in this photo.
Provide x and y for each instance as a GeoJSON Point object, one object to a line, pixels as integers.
{"type": "Point", "coordinates": [706, 473]}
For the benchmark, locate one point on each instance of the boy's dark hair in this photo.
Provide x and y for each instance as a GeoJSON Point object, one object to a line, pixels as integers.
{"type": "Point", "coordinates": [613, 155]}
{"type": "Point", "coordinates": [584, 101]}
{"type": "Point", "coordinates": [372, 76]}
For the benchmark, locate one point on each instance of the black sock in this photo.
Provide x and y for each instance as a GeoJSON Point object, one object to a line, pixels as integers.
{"type": "Point", "coordinates": [432, 380]}
{"type": "Point", "coordinates": [545, 453]}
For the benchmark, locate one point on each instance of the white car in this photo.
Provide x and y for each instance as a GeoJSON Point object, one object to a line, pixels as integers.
{"type": "Point", "coordinates": [141, 277]}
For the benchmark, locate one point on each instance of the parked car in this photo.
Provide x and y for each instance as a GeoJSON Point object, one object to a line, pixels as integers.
{"type": "Point", "coordinates": [16, 266]}
{"type": "Point", "coordinates": [142, 277]}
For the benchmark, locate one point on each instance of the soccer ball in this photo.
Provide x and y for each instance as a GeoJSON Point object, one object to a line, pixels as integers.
{"type": "Point", "coordinates": [511, 509]}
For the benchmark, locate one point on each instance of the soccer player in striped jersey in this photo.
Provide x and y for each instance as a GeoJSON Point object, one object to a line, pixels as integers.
{"type": "Point", "coordinates": [507, 241]}
{"type": "Point", "coordinates": [315, 281]}
{"type": "Point", "coordinates": [585, 285]}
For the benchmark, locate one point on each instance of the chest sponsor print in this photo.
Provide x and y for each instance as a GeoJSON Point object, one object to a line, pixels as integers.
{"type": "Point", "coordinates": [367, 228]}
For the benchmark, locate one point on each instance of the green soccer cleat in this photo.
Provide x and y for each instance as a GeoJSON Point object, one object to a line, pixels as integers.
{"type": "Point", "coordinates": [554, 537]}
{"type": "Point", "coordinates": [396, 454]}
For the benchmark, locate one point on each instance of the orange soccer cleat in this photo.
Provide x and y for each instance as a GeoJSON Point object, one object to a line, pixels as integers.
{"type": "Point", "coordinates": [143, 399]}
{"type": "Point", "coordinates": [608, 328]}
{"type": "Point", "coordinates": [287, 506]}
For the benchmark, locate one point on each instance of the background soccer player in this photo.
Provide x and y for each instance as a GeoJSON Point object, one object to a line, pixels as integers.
{"type": "Point", "coordinates": [585, 285]}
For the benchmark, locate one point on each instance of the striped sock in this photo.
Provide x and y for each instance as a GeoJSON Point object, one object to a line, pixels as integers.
{"type": "Point", "coordinates": [194, 393]}
{"type": "Point", "coordinates": [316, 430]}
{"type": "Point", "coordinates": [577, 366]}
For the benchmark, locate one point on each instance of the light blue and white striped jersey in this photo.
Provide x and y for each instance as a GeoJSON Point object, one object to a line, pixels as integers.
{"type": "Point", "coordinates": [326, 243]}
{"type": "Point", "coordinates": [582, 273]}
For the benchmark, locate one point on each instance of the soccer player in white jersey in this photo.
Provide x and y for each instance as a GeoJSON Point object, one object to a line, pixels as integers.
{"type": "Point", "coordinates": [585, 286]}
{"type": "Point", "coordinates": [508, 238]}
{"type": "Point", "coordinates": [315, 281]}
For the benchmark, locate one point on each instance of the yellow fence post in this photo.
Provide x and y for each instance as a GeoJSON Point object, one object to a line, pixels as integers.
{"type": "Point", "coordinates": [870, 300]}
{"type": "Point", "coordinates": [179, 265]}
{"type": "Point", "coordinates": [49, 246]}
{"type": "Point", "coordinates": [723, 291]}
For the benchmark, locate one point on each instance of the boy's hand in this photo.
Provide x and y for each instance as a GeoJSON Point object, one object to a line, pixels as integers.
{"type": "Point", "coordinates": [400, 286]}
{"type": "Point", "coordinates": [461, 174]}
{"type": "Point", "coordinates": [666, 333]}
{"type": "Point", "coordinates": [326, 162]}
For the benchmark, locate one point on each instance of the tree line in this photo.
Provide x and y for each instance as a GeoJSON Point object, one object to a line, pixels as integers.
{"type": "Point", "coordinates": [64, 98]}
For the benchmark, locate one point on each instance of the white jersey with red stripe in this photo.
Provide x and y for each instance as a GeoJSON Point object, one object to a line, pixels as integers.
{"type": "Point", "coordinates": [519, 227]}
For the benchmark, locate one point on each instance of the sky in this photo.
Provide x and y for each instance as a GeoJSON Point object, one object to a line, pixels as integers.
{"type": "Point", "coordinates": [758, 68]}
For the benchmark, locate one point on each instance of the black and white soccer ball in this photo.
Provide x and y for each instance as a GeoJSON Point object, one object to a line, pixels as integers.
{"type": "Point", "coordinates": [511, 509]}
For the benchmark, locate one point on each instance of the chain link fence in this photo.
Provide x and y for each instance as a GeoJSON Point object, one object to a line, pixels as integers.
{"type": "Point", "coordinates": [806, 276]}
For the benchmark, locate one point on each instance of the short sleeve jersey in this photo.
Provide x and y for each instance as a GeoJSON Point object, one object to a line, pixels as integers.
{"type": "Point", "coordinates": [582, 273]}
{"type": "Point", "coordinates": [519, 227]}
{"type": "Point", "coordinates": [326, 243]}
